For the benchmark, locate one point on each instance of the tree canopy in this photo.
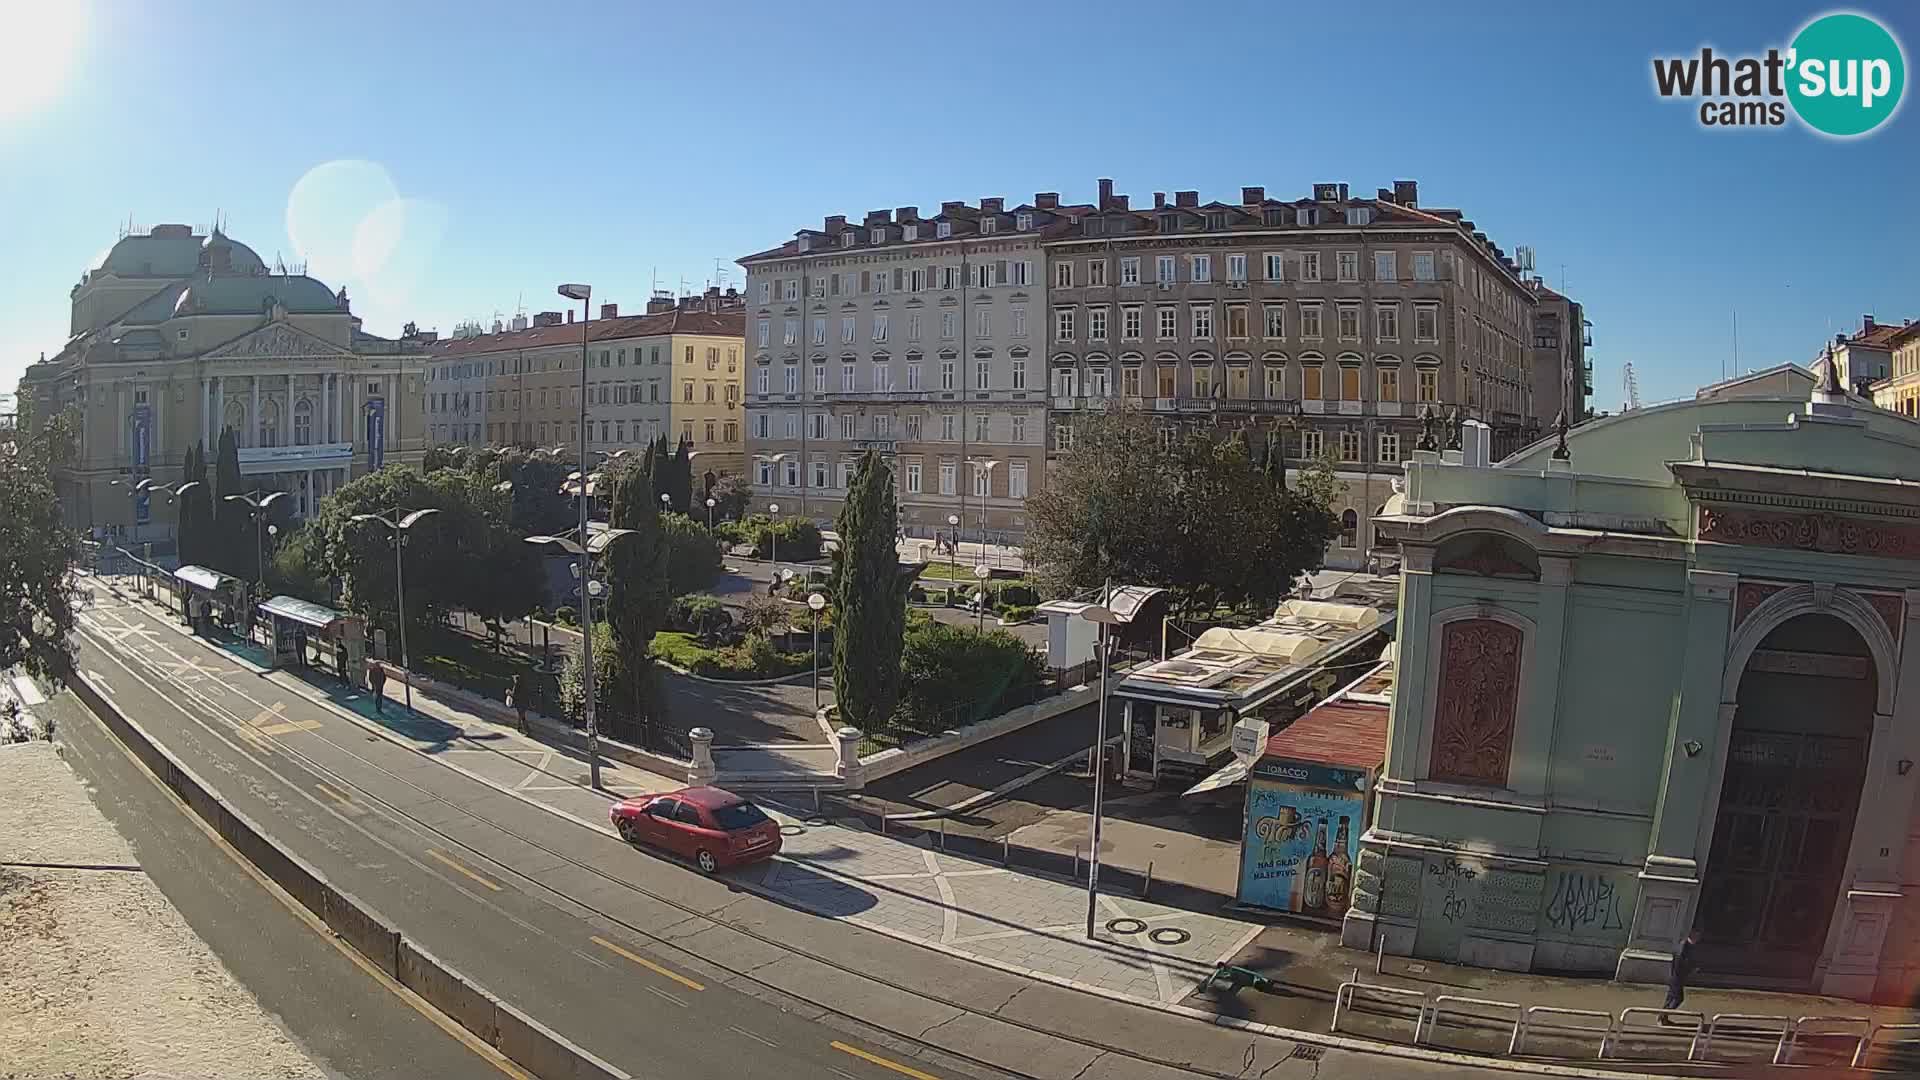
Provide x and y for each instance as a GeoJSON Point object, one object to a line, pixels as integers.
{"type": "Point", "coordinates": [1195, 516]}
{"type": "Point", "coordinates": [37, 550]}
{"type": "Point", "coordinates": [637, 602]}
{"type": "Point", "coordinates": [870, 598]}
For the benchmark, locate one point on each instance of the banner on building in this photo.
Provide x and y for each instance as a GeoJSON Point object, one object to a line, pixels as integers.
{"type": "Point", "coordinates": [376, 433]}
{"type": "Point", "coordinates": [142, 447]}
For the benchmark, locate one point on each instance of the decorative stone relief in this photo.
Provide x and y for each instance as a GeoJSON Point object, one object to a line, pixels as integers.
{"type": "Point", "coordinates": [1400, 894]}
{"type": "Point", "coordinates": [1830, 533]}
{"type": "Point", "coordinates": [1750, 596]}
{"type": "Point", "coordinates": [1509, 900]}
{"type": "Point", "coordinates": [1892, 610]}
{"type": "Point", "coordinates": [278, 341]}
{"type": "Point", "coordinates": [1479, 695]}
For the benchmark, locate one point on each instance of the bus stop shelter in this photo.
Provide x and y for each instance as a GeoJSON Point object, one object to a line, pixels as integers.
{"type": "Point", "coordinates": [208, 597]}
{"type": "Point", "coordinates": [293, 625]}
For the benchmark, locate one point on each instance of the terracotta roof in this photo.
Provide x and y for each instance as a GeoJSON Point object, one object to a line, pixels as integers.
{"type": "Point", "coordinates": [723, 324]}
{"type": "Point", "coordinates": [1347, 734]}
{"type": "Point", "coordinates": [1880, 335]}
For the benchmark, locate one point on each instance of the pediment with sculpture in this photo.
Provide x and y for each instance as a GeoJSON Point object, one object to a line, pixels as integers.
{"type": "Point", "coordinates": [277, 340]}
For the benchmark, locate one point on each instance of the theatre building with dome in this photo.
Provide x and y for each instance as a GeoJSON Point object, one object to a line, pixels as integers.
{"type": "Point", "coordinates": [1657, 674]}
{"type": "Point", "coordinates": [178, 335]}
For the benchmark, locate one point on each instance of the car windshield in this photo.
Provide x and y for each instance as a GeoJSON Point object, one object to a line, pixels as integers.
{"type": "Point", "coordinates": [740, 815]}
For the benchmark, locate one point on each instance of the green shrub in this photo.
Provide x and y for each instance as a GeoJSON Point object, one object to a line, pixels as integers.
{"type": "Point", "coordinates": [693, 555]}
{"type": "Point", "coordinates": [1014, 613]}
{"type": "Point", "coordinates": [703, 616]}
{"type": "Point", "coordinates": [952, 675]}
{"type": "Point", "coordinates": [1017, 594]}
{"type": "Point", "coordinates": [755, 658]}
{"type": "Point", "coordinates": [798, 539]}
{"type": "Point", "coordinates": [917, 594]}
{"type": "Point", "coordinates": [566, 616]}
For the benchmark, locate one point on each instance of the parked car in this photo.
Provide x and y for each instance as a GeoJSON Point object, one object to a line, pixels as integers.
{"type": "Point", "coordinates": [714, 828]}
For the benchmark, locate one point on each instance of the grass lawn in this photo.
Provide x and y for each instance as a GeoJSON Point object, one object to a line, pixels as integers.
{"type": "Point", "coordinates": [731, 662]}
{"type": "Point", "coordinates": [468, 662]}
{"type": "Point", "coordinates": [964, 572]}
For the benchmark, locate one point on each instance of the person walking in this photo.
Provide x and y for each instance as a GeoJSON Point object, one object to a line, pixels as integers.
{"type": "Point", "coordinates": [340, 659]}
{"type": "Point", "coordinates": [377, 680]}
{"type": "Point", "coordinates": [1683, 962]}
{"type": "Point", "coordinates": [517, 697]}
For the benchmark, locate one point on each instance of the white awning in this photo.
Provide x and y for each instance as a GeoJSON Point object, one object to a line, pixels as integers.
{"type": "Point", "coordinates": [1233, 773]}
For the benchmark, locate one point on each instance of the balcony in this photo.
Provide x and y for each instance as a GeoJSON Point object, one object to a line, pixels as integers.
{"type": "Point", "coordinates": [1349, 408]}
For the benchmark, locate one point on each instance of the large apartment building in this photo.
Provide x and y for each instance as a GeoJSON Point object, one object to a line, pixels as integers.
{"type": "Point", "coordinates": [675, 371]}
{"type": "Point", "coordinates": [1562, 374]}
{"type": "Point", "coordinates": [921, 337]}
{"type": "Point", "coordinates": [1325, 324]}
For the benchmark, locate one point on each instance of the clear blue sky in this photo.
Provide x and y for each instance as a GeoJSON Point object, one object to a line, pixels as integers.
{"type": "Point", "coordinates": [530, 145]}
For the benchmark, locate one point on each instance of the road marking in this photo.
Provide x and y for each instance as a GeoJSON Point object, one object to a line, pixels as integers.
{"type": "Point", "coordinates": [291, 726]}
{"type": "Point", "coordinates": [343, 799]}
{"type": "Point", "coordinates": [751, 1035]}
{"type": "Point", "coordinates": [270, 713]}
{"type": "Point", "coordinates": [441, 1020]}
{"type": "Point", "coordinates": [455, 864]}
{"type": "Point", "coordinates": [100, 683]}
{"type": "Point", "coordinates": [903, 1070]}
{"type": "Point", "coordinates": [648, 964]}
{"type": "Point", "coordinates": [662, 993]}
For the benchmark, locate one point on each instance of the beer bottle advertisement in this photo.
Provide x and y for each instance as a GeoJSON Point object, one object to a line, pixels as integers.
{"type": "Point", "coordinates": [1279, 867]}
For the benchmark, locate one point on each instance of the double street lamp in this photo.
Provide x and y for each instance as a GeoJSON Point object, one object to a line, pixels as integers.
{"type": "Point", "coordinates": [1101, 613]}
{"type": "Point", "coordinates": [258, 504]}
{"type": "Point", "coordinates": [595, 548]}
{"type": "Point", "coordinates": [398, 526]}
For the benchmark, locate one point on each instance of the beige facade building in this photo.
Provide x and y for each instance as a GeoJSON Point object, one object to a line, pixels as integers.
{"type": "Point", "coordinates": [676, 371]}
{"type": "Point", "coordinates": [177, 336]}
{"type": "Point", "coordinates": [1562, 374]}
{"type": "Point", "coordinates": [921, 337]}
{"type": "Point", "coordinates": [1320, 325]}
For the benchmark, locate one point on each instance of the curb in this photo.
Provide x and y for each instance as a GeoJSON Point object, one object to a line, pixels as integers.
{"type": "Point", "coordinates": [512, 1033]}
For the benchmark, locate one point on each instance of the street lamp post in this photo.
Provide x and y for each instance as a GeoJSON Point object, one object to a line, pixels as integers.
{"type": "Point", "coordinates": [1101, 613]}
{"type": "Point", "coordinates": [399, 525]}
{"type": "Point", "coordinates": [258, 504]}
{"type": "Point", "coordinates": [710, 505]}
{"type": "Point", "coordinates": [596, 545]}
{"type": "Point", "coordinates": [816, 603]}
{"type": "Point", "coordinates": [981, 573]}
{"type": "Point", "coordinates": [773, 540]}
{"type": "Point", "coordinates": [953, 557]}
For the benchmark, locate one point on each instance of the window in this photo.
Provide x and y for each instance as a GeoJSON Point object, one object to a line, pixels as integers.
{"type": "Point", "coordinates": [1063, 323]}
{"type": "Point", "coordinates": [302, 421]}
{"type": "Point", "coordinates": [1163, 377]}
{"type": "Point", "coordinates": [1017, 480]}
{"type": "Point", "coordinates": [1063, 275]}
{"type": "Point", "coordinates": [713, 359]}
{"type": "Point", "coordinates": [1130, 322]}
{"type": "Point", "coordinates": [1313, 444]}
{"type": "Point", "coordinates": [1203, 380]}
{"type": "Point", "coordinates": [793, 474]}
{"type": "Point", "coordinates": [1163, 270]}
{"type": "Point", "coordinates": [1383, 266]}
{"type": "Point", "coordinates": [792, 288]}
{"type": "Point", "coordinates": [913, 374]}
{"type": "Point", "coordinates": [1349, 446]}
{"type": "Point", "coordinates": [1349, 529]}
{"type": "Point", "coordinates": [793, 378]}
{"type": "Point", "coordinates": [1313, 374]}
{"type": "Point", "coordinates": [989, 225]}
{"type": "Point", "coordinates": [1386, 322]}
{"type": "Point", "coordinates": [1019, 322]}
{"type": "Point", "coordinates": [848, 380]}
{"type": "Point", "coordinates": [1276, 381]}
{"type": "Point", "coordinates": [766, 292]}
{"type": "Point", "coordinates": [792, 424]}
{"type": "Point", "coordinates": [946, 375]}
{"type": "Point", "coordinates": [910, 232]}
{"type": "Point", "coordinates": [1202, 322]}
{"type": "Point", "coordinates": [1309, 265]}
{"type": "Point", "coordinates": [1023, 221]}
{"type": "Point", "coordinates": [980, 426]}
{"type": "Point", "coordinates": [1429, 384]}
{"type": "Point", "coordinates": [686, 391]}
{"type": "Point", "coordinates": [983, 323]}
{"type": "Point", "coordinates": [1019, 374]}
{"type": "Point", "coordinates": [765, 333]}
{"type": "Point", "coordinates": [913, 478]}
{"type": "Point", "coordinates": [1130, 270]}
{"type": "Point", "coordinates": [1276, 321]}
{"type": "Point", "coordinates": [882, 376]}
{"type": "Point", "coordinates": [1098, 382]}
{"type": "Point", "coordinates": [879, 282]}
{"type": "Point", "coordinates": [1237, 320]}
{"type": "Point", "coordinates": [760, 428]}
{"type": "Point", "coordinates": [1389, 384]}
{"type": "Point", "coordinates": [819, 378]}
{"type": "Point", "coordinates": [820, 474]}
{"type": "Point", "coordinates": [849, 426]}
{"type": "Point", "coordinates": [816, 425]}
{"type": "Point", "coordinates": [882, 426]}
{"type": "Point", "coordinates": [1169, 319]}
{"type": "Point", "coordinates": [1347, 265]}
{"type": "Point", "coordinates": [1276, 266]}
{"type": "Point", "coordinates": [913, 327]}
{"type": "Point", "coordinates": [790, 332]}
{"type": "Point", "coordinates": [1423, 266]}
{"type": "Point", "coordinates": [847, 330]}
{"type": "Point", "coordinates": [1097, 324]}
{"type": "Point", "coordinates": [947, 320]}
{"type": "Point", "coordinates": [1022, 272]}
{"type": "Point", "coordinates": [1350, 382]}
{"type": "Point", "coordinates": [1130, 380]}
{"type": "Point", "coordinates": [983, 276]}
{"type": "Point", "coordinates": [982, 481]}
{"type": "Point", "coordinates": [880, 328]}
{"type": "Point", "coordinates": [1389, 448]}
{"type": "Point", "coordinates": [982, 374]}
{"type": "Point", "coordinates": [1096, 272]}
{"type": "Point", "coordinates": [846, 475]}
{"type": "Point", "coordinates": [946, 478]}
{"type": "Point", "coordinates": [1237, 268]}
{"type": "Point", "coordinates": [1349, 322]}
{"type": "Point", "coordinates": [943, 229]}
{"type": "Point", "coordinates": [1426, 322]}
{"type": "Point", "coordinates": [1359, 215]}
{"type": "Point", "coordinates": [1200, 267]}
{"type": "Point", "coordinates": [1019, 427]}
{"type": "Point", "coordinates": [819, 336]}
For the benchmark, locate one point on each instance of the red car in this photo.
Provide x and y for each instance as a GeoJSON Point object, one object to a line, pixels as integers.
{"type": "Point", "coordinates": [714, 828]}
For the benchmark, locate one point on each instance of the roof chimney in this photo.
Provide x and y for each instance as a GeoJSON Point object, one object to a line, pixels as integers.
{"type": "Point", "coordinates": [836, 222]}
{"type": "Point", "coordinates": [1046, 200]}
{"type": "Point", "coordinates": [1186, 198]}
{"type": "Point", "coordinates": [1866, 322]}
{"type": "Point", "coordinates": [995, 205]}
{"type": "Point", "coordinates": [1106, 193]}
{"type": "Point", "coordinates": [1407, 193]}
{"type": "Point", "coordinates": [1343, 193]}
{"type": "Point", "coordinates": [569, 315]}
{"type": "Point", "coordinates": [1252, 196]}
{"type": "Point", "coordinates": [547, 318]}
{"type": "Point", "coordinates": [661, 301]}
{"type": "Point", "coordinates": [951, 205]}
{"type": "Point", "coordinates": [1159, 200]}
{"type": "Point", "coordinates": [906, 215]}
{"type": "Point", "coordinates": [609, 311]}
{"type": "Point", "coordinates": [1120, 201]}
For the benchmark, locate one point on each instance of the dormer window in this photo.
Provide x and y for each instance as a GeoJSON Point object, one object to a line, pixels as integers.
{"type": "Point", "coordinates": [806, 242]}
{"type": "Point", "coordinates": [1309, 216]}
{"type": "Point", "coordinates": [846, 238]}
{"type": "Point", "coordinates": [988, 225]}
{"type": "Point", "coordinates": [1275, 217]}
{"type": "Point", "coordinates": [1169, 222]}
{"type": "Point", "coordinates": [1095, 226]}
{"type": "Point", "coordinates": [1359, 215]}
{"type": "Point", "coordinates": [910, 232]}
{"type": "Point", "coordinates": [1023, 222]}
{"type": "Point", "coordinates": [1216, 221]}
{"type": "Point", "coordinates": [944, 229]}
{"type": "Point", "coordinates": [877, 236]}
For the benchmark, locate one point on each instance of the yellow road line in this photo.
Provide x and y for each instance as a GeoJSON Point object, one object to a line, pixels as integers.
{"type": "Point", "coordinates": [903, 1070]}
{"type": "Point", "coordinates": [313, 922]}
{"type": "Point", "coordinates": [291, 726]}
{"type": "Point", "coordinates": [648, 964]}
{"type": "Point", "coordinates": [450, 861]}
{"type": "Point", "coordinates": [344, 800]}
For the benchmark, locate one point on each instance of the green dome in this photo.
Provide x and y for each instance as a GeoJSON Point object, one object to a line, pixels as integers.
{"type": "Point", "coordinates": [301, 295]}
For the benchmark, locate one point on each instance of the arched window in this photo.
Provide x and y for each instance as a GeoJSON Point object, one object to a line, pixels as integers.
{"type": "Point", "coordinates": [303, 423]}
{"type": "Point", "coordinates": [1349, 529]}
{"type": "Point", "coordinates": [269, 424]}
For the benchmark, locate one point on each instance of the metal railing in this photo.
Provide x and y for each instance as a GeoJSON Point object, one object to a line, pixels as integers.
{"type": "Point", "coordinates": [1636, 1024]}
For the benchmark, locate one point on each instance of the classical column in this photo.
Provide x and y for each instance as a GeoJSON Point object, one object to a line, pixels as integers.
{"type": "Point", "coordinates": [219, 414]}
{"type": "Point", "coordinates": [328, 385]}
{"type": "Point", "coordinates": [120, 416]}
{"type": "Point", "coordinates": [253, 419]}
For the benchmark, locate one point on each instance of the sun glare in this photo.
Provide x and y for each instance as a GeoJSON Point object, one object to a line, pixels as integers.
{"type": "Point", "coordinates": [38, 42]}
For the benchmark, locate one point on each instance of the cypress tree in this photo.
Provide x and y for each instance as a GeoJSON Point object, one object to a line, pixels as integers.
{"type": "Point", "coordinates": [870, 612]}
{"type": "Point", "coordinates": [637, 603]}
{"type": "Point", "coordinates": [183, 537]}
{"type": "Point", "coordinates": [229, 548]}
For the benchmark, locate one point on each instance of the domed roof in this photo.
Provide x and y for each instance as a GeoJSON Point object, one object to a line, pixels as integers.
{"type": "Point", "coordinates": [174, 251]}
{"type": "Point", "coordinates": [300, 294]}
{"type": "Point", "coordinates": [224, 255]}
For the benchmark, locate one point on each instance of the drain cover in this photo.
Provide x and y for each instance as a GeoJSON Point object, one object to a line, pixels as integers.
{"type": "Point", "coordinates": [1307, 1053]}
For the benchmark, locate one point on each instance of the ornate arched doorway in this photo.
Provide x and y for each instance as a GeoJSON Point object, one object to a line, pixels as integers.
{"type": "Point", "coordinates": [1795, 764]}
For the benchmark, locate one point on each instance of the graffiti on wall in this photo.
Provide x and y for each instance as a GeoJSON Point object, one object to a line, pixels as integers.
{"type": "Point", "coordinates": [1586, 902]}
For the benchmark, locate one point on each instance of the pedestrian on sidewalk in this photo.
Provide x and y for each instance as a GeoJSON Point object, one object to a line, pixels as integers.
{"type": "Point", "coordinates": [377, 679]}
{"type": "Point", "coordinates": [1682, 969]}
{"type": "Point", "coordinates": [517, 697]}
{"type": "Point", "coordinates": [340, 659]}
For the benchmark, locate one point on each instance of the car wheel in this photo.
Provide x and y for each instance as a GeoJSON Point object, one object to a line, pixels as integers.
{"type": "Point", "coordinates": [705, 860]}
{"type": "Point", "coordinates": [625, 829]}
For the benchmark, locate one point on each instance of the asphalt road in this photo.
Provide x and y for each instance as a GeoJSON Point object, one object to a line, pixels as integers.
{"type": "Point", "coordinates": [655, 968]}
{"type": "Point", "coordinates": [348, 1022]}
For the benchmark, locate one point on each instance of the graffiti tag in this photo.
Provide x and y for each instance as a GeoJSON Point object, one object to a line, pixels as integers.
{"type": "Point", "coordinates": [1584, 901]}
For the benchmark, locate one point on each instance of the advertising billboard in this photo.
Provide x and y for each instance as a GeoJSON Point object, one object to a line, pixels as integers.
{"type": "Point", "coordinates": [1298, 849]}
